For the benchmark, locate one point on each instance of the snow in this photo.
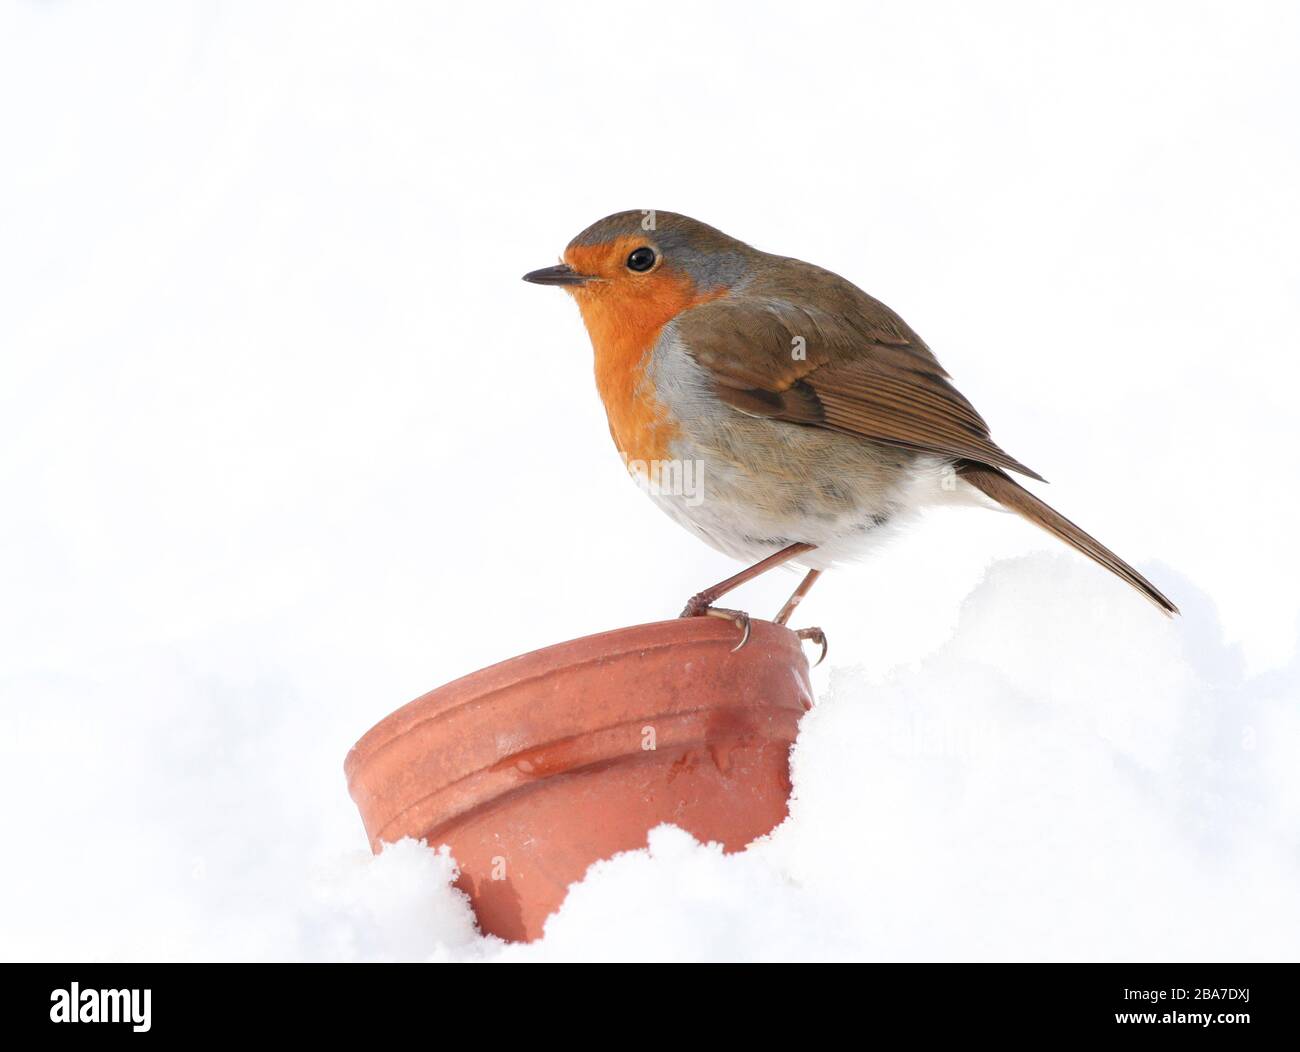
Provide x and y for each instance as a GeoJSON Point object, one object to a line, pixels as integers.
{"type": "Point", "coordinates": [285, 442]}
{"type": "Point", "coordinates": [1013, 794]}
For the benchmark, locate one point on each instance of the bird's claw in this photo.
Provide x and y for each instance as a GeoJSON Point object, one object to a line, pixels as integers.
{"type": "Point", "coordinates": [817, 636]}
{"type": "Point", "coordinates": [737, 617]}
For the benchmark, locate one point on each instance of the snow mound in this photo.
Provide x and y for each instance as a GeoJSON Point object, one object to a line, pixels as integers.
{"type": "Point", "coordinates": [1071, 776]}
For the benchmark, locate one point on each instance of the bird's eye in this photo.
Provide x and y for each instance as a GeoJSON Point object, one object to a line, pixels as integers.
{"type": "Point", "coordinates": [641, 259]}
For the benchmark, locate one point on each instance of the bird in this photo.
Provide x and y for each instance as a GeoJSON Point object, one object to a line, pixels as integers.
{"type": "Point", "coordinates": [777, 411]}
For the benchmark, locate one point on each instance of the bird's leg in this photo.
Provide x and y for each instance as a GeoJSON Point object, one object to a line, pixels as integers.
{"type": "Point", "coordinates": [701, 604]}
{"type": "Point", "coordinates": [804, 587]}
{"type": "Point", "coordinates": [701, 601]}
{"type": "Point", "coordinates": [815, 634]}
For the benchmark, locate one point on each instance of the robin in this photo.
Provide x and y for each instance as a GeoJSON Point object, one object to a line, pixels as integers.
{"type": "Point", "coordinates": [776, 410]}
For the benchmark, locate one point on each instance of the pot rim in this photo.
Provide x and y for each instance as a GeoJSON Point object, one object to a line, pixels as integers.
{"type": "Point", "coordinates": [482, 683]}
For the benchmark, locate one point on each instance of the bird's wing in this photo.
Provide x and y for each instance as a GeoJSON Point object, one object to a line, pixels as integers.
{"type": "Point", "coordinates": [849, 364]}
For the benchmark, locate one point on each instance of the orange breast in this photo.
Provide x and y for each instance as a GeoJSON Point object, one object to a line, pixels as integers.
{"type": "Point", "coordinates": [638, 422]}
{"type": "Point", "coordinates": [624, 321]}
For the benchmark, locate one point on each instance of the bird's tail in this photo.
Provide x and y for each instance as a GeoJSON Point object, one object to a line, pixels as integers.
{"type": "Point", "coordinates": [1003, 489]}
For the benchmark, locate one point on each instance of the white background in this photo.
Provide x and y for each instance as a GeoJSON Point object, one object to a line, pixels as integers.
{"type": "Point", "coordinates": [285, 442]}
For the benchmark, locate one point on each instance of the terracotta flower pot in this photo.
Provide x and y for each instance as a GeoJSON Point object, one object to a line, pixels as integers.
{"type": "Point", "coordinates": [533, 769]}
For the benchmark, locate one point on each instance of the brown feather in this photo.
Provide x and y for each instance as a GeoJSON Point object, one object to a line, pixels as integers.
{"type": "Point", "coordinates": [849, 364]}
{"type": "Point", "coordinates": [1011, 495]}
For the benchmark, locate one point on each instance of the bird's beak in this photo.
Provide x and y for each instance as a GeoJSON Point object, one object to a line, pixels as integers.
{"type": "Point", "coordinates": [563, 274]}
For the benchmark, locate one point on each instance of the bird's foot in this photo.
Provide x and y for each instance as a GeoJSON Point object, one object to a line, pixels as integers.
{"type": "Point", "coordinates": [817, 636]}
{"type": "Point", "coordinates": [699, 607]}
{"type": "Point", "coordinates": [698, 604]}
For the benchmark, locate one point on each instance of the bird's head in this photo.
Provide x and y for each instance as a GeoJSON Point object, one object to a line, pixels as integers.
{"type": "Point", "coordinates": [635, 271]}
